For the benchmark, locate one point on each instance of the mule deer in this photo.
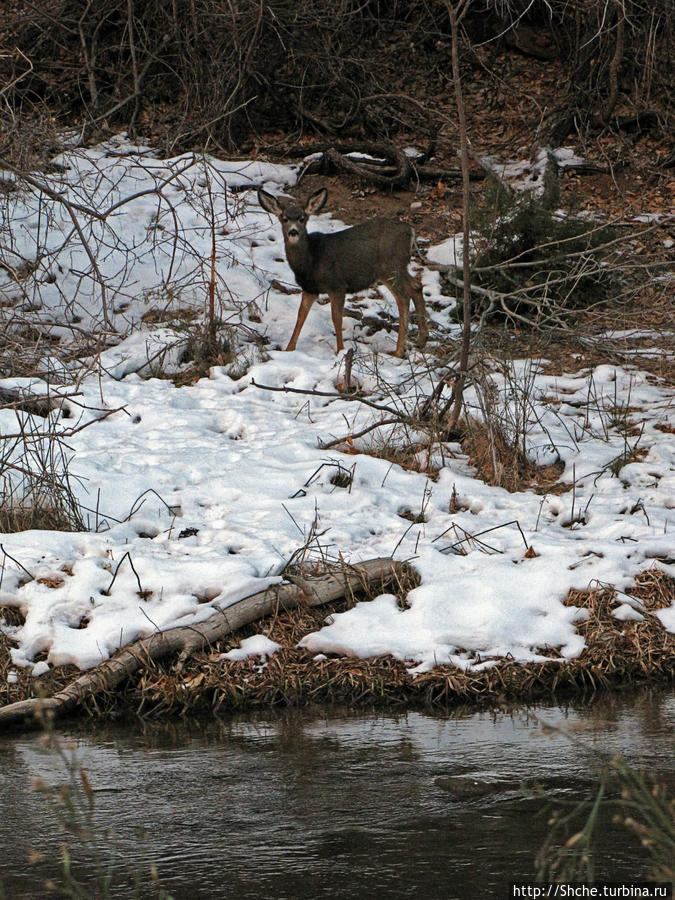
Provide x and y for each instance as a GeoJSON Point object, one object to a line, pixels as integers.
{"type": "Point", "coordinates": [375, 252]}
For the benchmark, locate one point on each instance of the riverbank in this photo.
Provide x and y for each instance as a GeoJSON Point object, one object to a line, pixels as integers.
{"type": "Point", "coordinates": [184, 490]}
{"type": "Point", "coordinates": [618, 654]}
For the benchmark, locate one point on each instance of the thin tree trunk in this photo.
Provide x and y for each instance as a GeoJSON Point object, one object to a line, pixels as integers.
{"type": "Point", "coordinates": [615, 64]}
{"type": "Point", "coordinates": [456, 15]}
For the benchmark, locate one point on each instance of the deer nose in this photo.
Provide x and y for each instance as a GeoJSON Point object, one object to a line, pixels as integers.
{"type": "Point", "coordinates": [294, 231]}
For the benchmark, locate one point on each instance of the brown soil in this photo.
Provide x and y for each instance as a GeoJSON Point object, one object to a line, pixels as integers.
{"type": "Point", "coordinates": [505, 93]}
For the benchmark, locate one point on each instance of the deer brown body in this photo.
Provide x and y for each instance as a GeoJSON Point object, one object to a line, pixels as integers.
{"type": "Point", "coordinates": [344, 262]}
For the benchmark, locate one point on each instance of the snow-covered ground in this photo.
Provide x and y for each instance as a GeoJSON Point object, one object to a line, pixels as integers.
{"type": "Point", "coordinates": [200, 495]}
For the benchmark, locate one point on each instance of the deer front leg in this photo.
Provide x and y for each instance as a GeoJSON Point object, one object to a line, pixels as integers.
{"type": "Point", "coordinates": [305, 306]}
{"type": "Point", "coordinates": [337, 302]}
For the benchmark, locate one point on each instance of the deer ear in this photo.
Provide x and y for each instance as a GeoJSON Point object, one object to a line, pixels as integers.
{"type": "Point", "coordinates": [269, 203]}
{"type": "Point", "coordinates": [316, 201]}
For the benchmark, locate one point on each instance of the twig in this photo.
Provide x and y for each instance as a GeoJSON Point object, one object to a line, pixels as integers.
{"type": "Point", "coordinates": [474, 537]}
{"type": "Point", "coordinates": [358, 434]}
{"type": "Point", "coordinates": [401, 417]}
{"type": "Point", "coordinates": [14, 560]}
{"type": "Point", "coordinates": [127, 555]}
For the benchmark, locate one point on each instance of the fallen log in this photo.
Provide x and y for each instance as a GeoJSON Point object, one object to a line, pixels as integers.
{"type": "Point", "coordinates": [189, 639]}
{"type": "Point", "coordinates": [33, 404]}
{"type": "Point", "coordinates": [382, 164]}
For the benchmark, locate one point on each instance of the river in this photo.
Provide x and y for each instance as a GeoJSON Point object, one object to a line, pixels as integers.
{"type": "Point", "coordinates": [326, 803]}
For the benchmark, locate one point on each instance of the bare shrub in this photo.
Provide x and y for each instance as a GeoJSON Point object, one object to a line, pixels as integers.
{"type": "Point", "coordinates": [209, 71]}
{"type": "Point", "coordinates": [93, 298]}
{"type": "Point", "coordinates": [616, 56]}
{"type": "Point", "coordinates": [203, 347]}
{"type": "Point", "coordinates": [498, 438]}
{"type": "Point", "coordinates": [199, 72]}
{"type": "Point", "coordinates": [36, 487]}
{"type": "Point", "coordinates": [538, 267]}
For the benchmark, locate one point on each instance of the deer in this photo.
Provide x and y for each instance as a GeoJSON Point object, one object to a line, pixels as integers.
{"type": "Point", "coordinates": [374, 252]}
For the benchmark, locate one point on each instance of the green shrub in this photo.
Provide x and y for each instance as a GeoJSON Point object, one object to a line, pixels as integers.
{"type": "Point", "coordinates": [538, 264]}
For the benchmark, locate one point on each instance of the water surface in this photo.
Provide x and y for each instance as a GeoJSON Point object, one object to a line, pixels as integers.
{"type": "Point", "coordinates": [307, 804]}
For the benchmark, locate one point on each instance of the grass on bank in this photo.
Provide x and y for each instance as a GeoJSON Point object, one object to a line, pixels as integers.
{"type": "Point", "coordinates": [617, 654]}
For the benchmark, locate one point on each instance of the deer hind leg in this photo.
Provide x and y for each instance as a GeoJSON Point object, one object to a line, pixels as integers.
{"type": "Point", "coordinates": [414, 290]}
{"type": "Point", "coordinates": [337, 302]}
{"type": "Point", "coordinates": [305, 306]}
{"type": "Point", "coordinates": [403, 304]}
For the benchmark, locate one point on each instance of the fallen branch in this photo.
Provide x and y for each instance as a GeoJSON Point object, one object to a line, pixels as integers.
{"type": "Point", "coordinates": [355, 435]}
{"type": "Point", "coordinates": [383, 164]}
{"type": "Point", "coordinates": [189, 639]}
{"type": "Point", "coordinates": [33, 404]}
{"type": "Point", "coordinates": [337, 395]}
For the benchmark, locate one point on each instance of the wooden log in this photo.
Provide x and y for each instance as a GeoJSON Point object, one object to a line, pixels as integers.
{"type": "Point", "coordinates": [389, 167]}
{"type": "Point", "coordinates": [189, 639]}
{"type": "Point", "coordinates": [34, 404]}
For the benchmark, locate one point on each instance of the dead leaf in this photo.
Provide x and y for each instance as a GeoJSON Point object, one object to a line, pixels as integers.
{"type": "Point", "coordinates": [52, 581]}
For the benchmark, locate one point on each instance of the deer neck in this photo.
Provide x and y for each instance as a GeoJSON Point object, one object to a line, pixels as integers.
{"type": "Point", "coordinates": [299, 257]}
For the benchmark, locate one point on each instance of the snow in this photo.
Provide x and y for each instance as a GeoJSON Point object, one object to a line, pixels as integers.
{"type": "Point", "coordinates": [257, 645]}
{"type": "Point", "coordinates": [528, 175]}
{"type": "Point", "coordinates": [196, 497]}
{"type": "Point", "coordinates": [626, 613]}
{"type": "Point", "coordinates": [448, 252]}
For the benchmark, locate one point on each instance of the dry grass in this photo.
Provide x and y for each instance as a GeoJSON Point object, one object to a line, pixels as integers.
{"type": "Point", "coordinates": [617, 654]}
{"type": "Point", "coordinates": [25, 685]}
{"type": "Point", "coordinates": [42, 518]}
{"type": "Point", "coordinates": [624, 651]}
{"type": "Point", "coordinates": [412, 456]}
{"type": "Point", "coordinates": [499, 462]}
